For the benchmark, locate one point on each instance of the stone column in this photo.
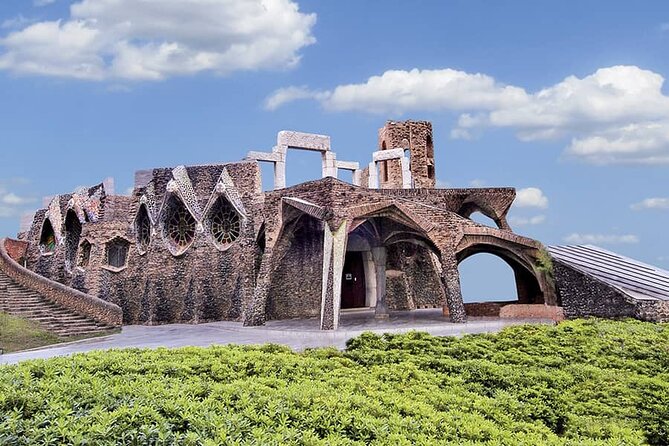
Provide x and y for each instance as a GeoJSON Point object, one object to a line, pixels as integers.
{"type": "Point", "coordinates": [450, 276]}
{"type": "Point", "coordinates": [379, 255]}
{"type": "Point", "coordinates": [373, 176]}
{"type": "Point", "coordinates": [406, 173]}
{"type": "Point", "coordinates": [329, 164]}
{"type": "Point", "coordinates": [334, 251]}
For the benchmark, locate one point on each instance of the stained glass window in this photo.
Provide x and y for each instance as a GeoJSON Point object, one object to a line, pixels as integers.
{"type": "Point", "coordinates": [48, 237]}
{"type": "Point", "coordinates": [225, 222]}
{"type": "Point", "coordinates": [179, 224]}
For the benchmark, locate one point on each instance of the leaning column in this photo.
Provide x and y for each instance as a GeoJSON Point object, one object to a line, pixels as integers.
{"type": "Point", "coordinates": [450, 277]}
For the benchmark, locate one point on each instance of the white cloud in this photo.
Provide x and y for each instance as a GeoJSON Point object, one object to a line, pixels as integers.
{"type": "Point", "coordinates": [477, 183]}
{"type": "Point", "coordinates": [525, 221]}
{"type": "Point", "coordinates": [156, 39]}
{"type": "Point", "coordinates": [442, 184]}
{"type": "Point", "coordinates": [14, 200]}
{"type": "Point", "coordinates": [531, 197]}
{"type": "Point", "coordinates": [16, 22]}
{"type": "Point", "coordinates": [43, 2]}
{"type": "Point", "coordinates": [601, 239]}
{"type": "Point", "coordinates": [651, 203]}
{"type": "Point", "coordinates": [617, 114]}
{"type": "Point", "coordinates": [289, 94]}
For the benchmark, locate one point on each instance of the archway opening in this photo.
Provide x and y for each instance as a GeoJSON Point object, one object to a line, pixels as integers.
{"type": "Point", "coordinates": [72, 236]}
{"type": "Point", "coordinates": [483, 219]}
{"type": "Point", "coordinates": [47, 240]}
{"type": "Point", "coordinates": [491, 279]}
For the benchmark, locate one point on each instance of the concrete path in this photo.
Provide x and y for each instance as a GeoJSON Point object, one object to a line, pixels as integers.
{"type": "Point", "coordinates": [297, 334]}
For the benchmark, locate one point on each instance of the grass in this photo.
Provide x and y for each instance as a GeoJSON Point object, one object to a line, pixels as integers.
{"type": "Point", "coordinates": [18, 334]}
{"type": "Point", "coordinates": [586, 382]}
{"type": "Point", "coordinates": [21, 334]}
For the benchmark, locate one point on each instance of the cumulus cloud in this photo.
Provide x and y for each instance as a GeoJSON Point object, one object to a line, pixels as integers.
{"type": "Point", "coordinates": [156, 39]}
{"type": "Point", "coordinates": [527, 221]}
{"type": "Point", "coordinates": [531, 197]}
{"type": "Point", "coordinates": [617, 114]}
{"type": "Point", "coordinates": [289, 94]}
{"type": "Point", "coordinates": [601, 239]}
{"type": "Point", "coordinates": [14, 200]}
{"type": "Point", "coordinates": [651, 203]}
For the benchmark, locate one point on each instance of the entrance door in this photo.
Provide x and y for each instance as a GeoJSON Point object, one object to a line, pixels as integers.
{"type": "Point", "coordinates": [353, 281]}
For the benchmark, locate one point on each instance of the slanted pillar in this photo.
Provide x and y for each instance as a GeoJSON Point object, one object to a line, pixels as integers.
{"type": "Point", "coordinates": [257, 314]}
{"type": "Point", "coordinates": [450, 276]}
{"type": "Point", "coordinates": [334, 250]}
{"type": "Point", "coordinates": [379, 254]}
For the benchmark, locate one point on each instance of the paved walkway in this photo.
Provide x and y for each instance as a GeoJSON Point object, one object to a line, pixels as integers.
{"type": "Point", "coordinates": [297, 334]}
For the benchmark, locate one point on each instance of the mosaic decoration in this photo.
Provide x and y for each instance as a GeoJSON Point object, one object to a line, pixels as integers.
{"type": "Point", "coordinates": [93, 204]}
{"type": "Point", "coordinates": [55, 218]}
{"type": "Point", "coordinates": [149, 199]}
{"type": "Point", "coordinates": [185, 188]}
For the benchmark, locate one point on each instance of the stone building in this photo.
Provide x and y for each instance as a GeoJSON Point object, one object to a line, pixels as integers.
{"type": "Point", "coordinates": [205, 243]}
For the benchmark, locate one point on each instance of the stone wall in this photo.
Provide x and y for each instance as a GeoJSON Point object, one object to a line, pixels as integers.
{"type": "Point", "coordinates": [71, 299]}
{"type": "Point", "coordinates": [295, 291]}
{"type": "Point", "coordinates": [583, 295]}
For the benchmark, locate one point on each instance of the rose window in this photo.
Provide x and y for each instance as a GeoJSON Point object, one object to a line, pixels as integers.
{"type": "Point", "coordinates": [225, 222]}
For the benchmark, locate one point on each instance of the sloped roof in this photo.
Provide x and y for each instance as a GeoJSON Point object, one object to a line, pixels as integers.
{"type": "Point", "coordinates": [638, 280]}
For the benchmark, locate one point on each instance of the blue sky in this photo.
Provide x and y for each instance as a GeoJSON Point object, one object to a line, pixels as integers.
{"type": "Point", "coordinates": [564, 100]}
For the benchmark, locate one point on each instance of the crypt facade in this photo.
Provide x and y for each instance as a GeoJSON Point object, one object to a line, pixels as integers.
{"type": "Point", "coordinates": [205, 243]}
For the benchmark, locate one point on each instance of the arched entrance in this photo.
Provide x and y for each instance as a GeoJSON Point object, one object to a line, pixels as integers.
{"type": "Point", "coordinates": [528, 289]}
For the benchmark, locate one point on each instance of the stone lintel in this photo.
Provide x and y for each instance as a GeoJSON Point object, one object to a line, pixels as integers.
{"type": "Point", "coordinates": [304, 141]}
{"type": "Point", "coordinates": [383, 155]}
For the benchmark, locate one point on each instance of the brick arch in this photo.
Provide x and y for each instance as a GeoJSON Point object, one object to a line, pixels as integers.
{"type": "Point", "coordinates": [530, 285]}
{"type": "Point", "coordinates": [470, 207]}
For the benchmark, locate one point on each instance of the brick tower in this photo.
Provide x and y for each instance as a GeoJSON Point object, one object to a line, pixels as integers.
{"type": "Point", "coordinates": [416, 136]}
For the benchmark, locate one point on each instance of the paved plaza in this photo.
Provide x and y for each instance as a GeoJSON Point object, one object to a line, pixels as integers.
{"type": "Point", "coordinates": [296, 333]}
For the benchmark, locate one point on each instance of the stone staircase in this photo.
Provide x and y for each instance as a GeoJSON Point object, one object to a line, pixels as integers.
{"type": "Point", "coordinates": [27, 304]}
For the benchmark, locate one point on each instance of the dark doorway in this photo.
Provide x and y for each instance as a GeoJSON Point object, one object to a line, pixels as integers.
{"type": "Point", "coordinates": [353, 281]}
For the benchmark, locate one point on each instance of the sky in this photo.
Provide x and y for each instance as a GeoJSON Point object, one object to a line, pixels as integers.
{"type": "Point", "coordinates": [564, 100]}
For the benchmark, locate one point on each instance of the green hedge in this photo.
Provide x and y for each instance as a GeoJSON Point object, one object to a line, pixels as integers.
{"type": "Point", "coordinates": [579, 383]}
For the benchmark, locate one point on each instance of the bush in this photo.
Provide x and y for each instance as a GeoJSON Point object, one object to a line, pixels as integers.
{"type": "Point", "coordinates": [579, 383]}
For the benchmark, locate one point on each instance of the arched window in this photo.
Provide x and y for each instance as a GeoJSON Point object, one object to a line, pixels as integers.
{"type": "Point", "coordinates": [178, 224]}
{"type": "Point", "coordinates": [47, 240]}
{"type": "Point", "coordinates": [72, 236]}
{"type": "Point", "coordinates": [224, 222]}
{"type": "Point", "coordinates": [143, 229]}
{"type": "Point", "coordinates": [117, 252]}
{"type": "Point", "coordinates": [429, 147]}
{"type": "Point", "coordinates": [84, 254]}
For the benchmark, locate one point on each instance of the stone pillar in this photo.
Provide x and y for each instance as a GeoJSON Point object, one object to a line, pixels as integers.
{"type": "Point", "coordinates": [373, 182]}
{"type": "Point", "coordinates": [450, 276]}
{"type": "Point", "coordinates": [357, 177]}
{"type": "Point", "coordinates": [329, 164]}
{"type": "Point", "coordinates": [380, 256]}
{"type": "Point", "coordinates": [406, 173]}
{"type": "Point", "coordinates": [334, 251]}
